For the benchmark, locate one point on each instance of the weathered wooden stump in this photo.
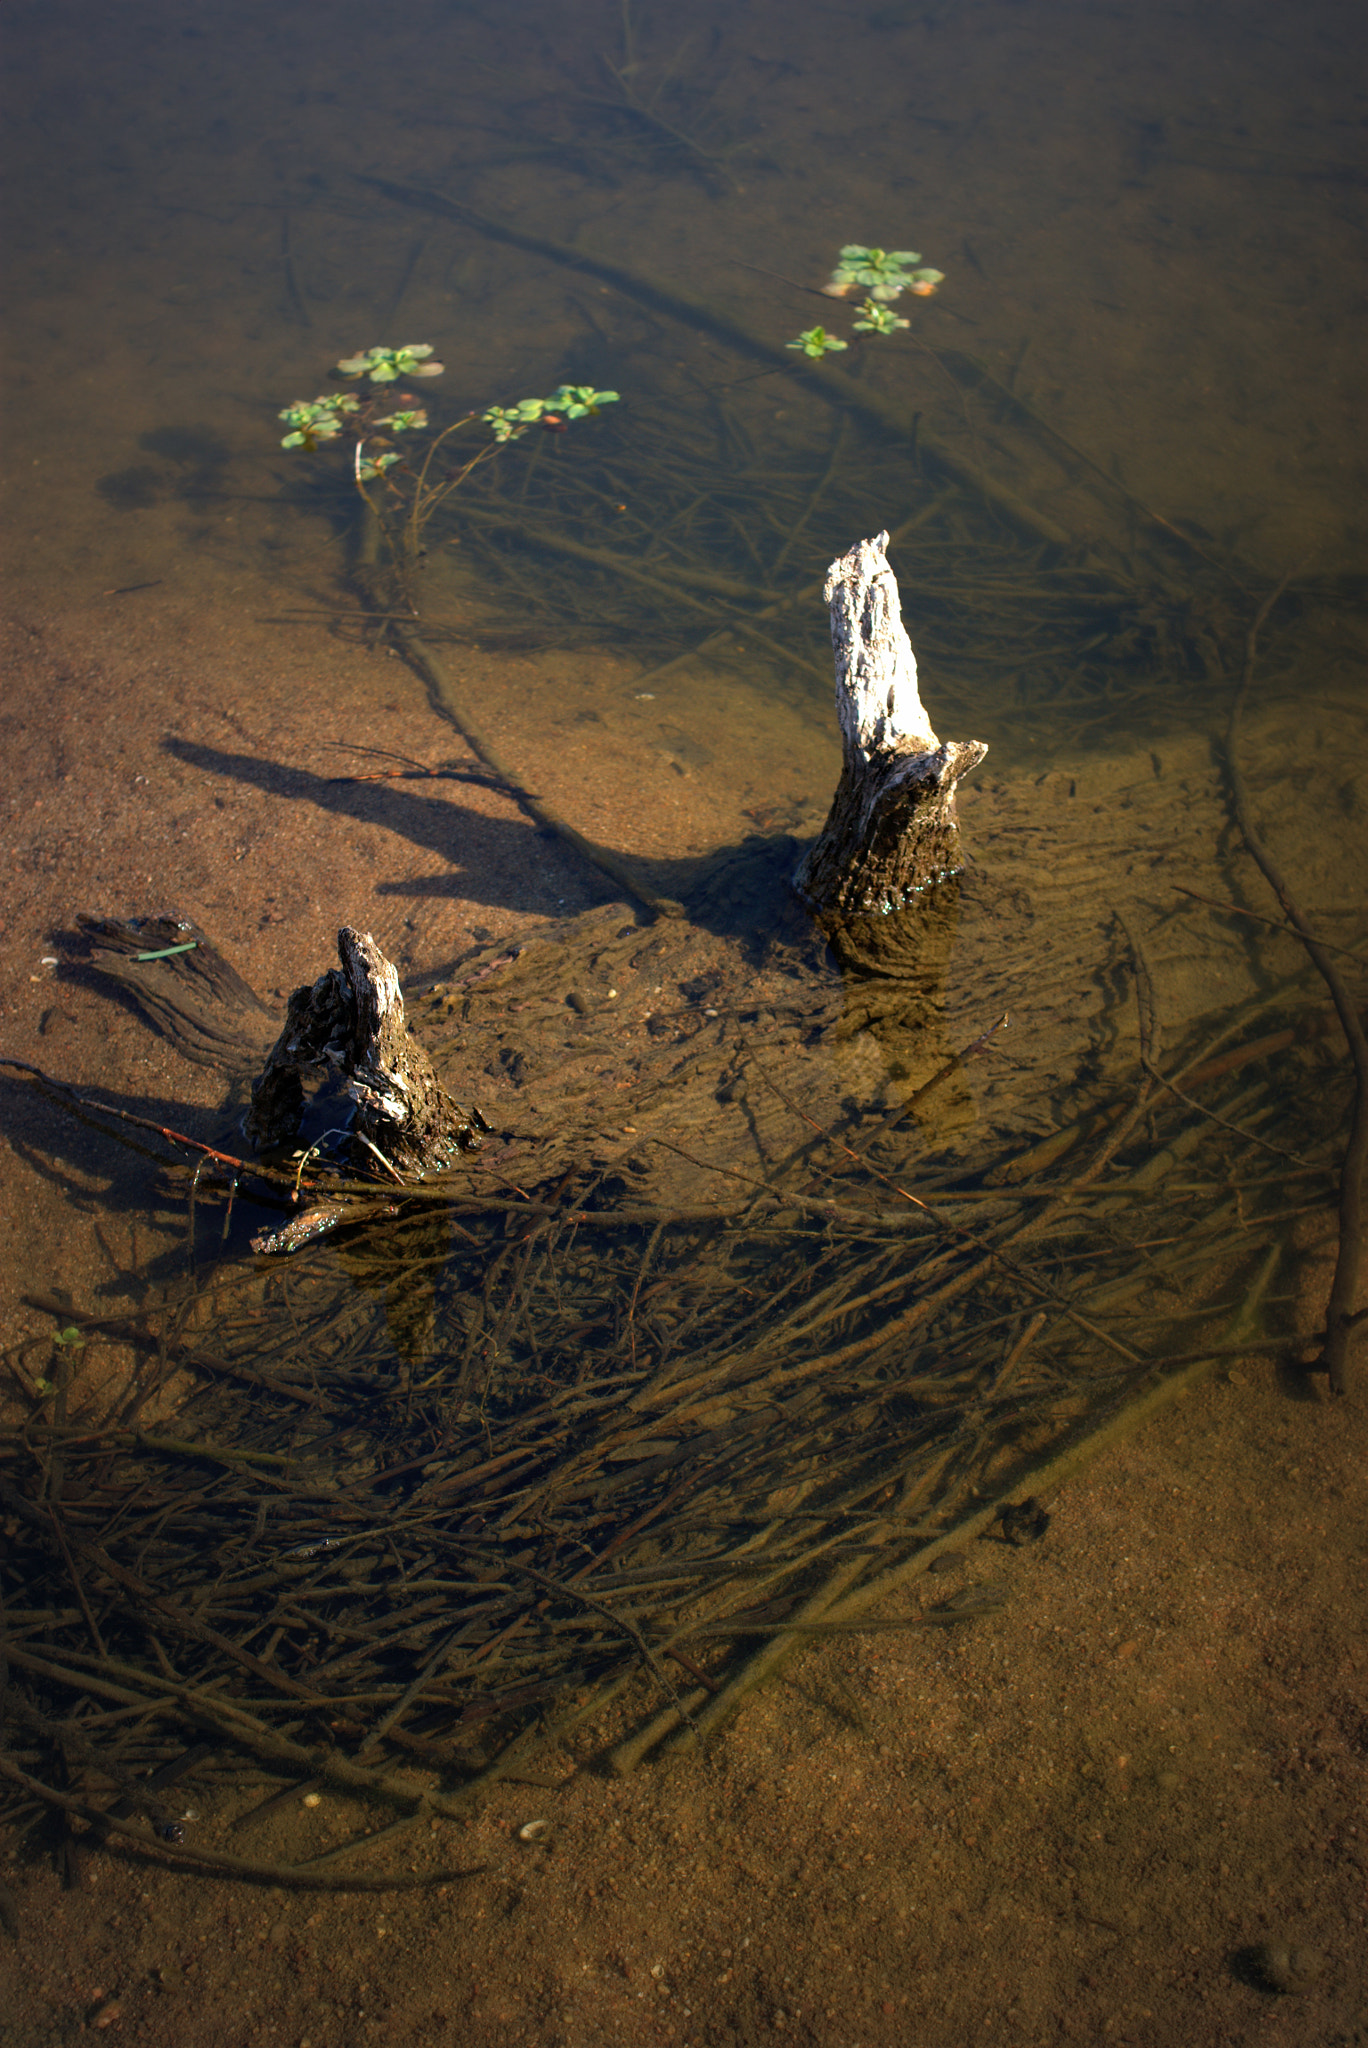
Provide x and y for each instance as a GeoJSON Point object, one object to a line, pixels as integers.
{"type": "Point", "coordinates": [350, 1025]}
{"type": "Point", "coordinates": [875, 878]}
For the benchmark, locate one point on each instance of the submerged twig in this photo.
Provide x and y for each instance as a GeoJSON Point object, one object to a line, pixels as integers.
{"type": "Point", "coordinates": [1341, 1314]}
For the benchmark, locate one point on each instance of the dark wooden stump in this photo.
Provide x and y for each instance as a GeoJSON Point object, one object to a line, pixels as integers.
{"type": "Point", "coordinates": [891, 838]}
{"type": "Point", "coordinates": [350, 1025]}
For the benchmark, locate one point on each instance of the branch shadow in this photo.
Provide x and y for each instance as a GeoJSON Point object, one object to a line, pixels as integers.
{"type": "Point", "coordinates": [739, 891]}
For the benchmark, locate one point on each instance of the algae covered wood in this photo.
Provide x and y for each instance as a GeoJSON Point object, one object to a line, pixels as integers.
{"type": "Point", "coordinates": [892, 834]}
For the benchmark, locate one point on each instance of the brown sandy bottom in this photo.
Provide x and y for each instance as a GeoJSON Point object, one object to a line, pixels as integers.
{"type": "Point", "coordinates": [1072, 1820]}
{"type": "Point", "coordinates": [1067, 1824]}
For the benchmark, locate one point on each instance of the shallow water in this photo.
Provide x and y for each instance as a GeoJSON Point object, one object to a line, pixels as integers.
{"type": "Point", "coordinates": [1149, 225]}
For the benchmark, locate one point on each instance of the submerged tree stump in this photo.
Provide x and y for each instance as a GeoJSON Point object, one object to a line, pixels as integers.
{"type": "Point", "coordinates": [891, 838]}
{"type": "Point", "coordinates": [350, 1025]}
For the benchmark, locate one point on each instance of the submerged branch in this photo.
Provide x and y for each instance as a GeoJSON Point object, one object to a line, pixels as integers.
{"type": "Point", "coordinates": [1341, 1313]}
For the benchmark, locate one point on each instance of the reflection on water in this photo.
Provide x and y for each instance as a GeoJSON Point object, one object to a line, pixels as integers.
{"type": "Point", "coordinates": [771, 1284]}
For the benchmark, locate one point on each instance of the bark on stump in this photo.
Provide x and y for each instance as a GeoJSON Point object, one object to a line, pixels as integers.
{"type": "Point", "coordinates": [351, 1025]}
{"type": "Point", "coordinates": [874, 878]}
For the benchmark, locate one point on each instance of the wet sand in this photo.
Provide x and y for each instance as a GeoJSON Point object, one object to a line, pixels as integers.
{"type": "Point", "coordinates": [1067, 1821]}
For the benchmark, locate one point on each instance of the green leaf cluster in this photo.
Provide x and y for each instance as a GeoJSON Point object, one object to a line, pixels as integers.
{"type": "Point", "coordinates": [876, 319]}
{"type": "Point", "coordinates": [567, 402]}
{"type": "Point", "coordinates": [883, 273]}
{"type": "Point", "coordinates": [314, 420]}
{"type": "Point", "coordinates": [419, 485]}
{"type": "Point", "coordinates": [574, 401]}
{"type": "Point", "coordinates": [387, 365]}
{"type": "Point", "coordinates": [816, 342]}
{"type": "Point", "coordinates": [405, 422]}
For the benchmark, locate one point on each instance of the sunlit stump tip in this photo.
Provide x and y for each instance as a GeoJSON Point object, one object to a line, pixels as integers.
{"type": "Point", "coordinates": [892, 834]}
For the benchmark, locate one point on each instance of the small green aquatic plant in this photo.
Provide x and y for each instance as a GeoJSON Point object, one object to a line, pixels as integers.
{"type": "Point", "coordinates": [415, 484]}
{"type": "Point", "coordinates": [314, 420]}
{"type": "Point", "coordinates": [387, 365]}
{"type": "Point", "coordinates": [71, 1339]}
{"type": "Point", "coordinates": [816, 342]}
{"type": "Point", "coordinates": [577, 401]}
{"type": "Point", "coordinates": [878, 319]}
{"type": "Point", "coordinates": [570, 402]}
{"type": "Point", "coordinates": [883, 275]}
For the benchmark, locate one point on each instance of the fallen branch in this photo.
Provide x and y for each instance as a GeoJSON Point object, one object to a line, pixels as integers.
{"type": "Point", "coordinates": [299, 1878]}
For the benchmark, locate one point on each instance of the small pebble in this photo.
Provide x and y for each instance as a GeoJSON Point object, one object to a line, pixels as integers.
{"type": "Point", "coordinates": [949, 1561]}
{"type": "Point", "coordinates": [1287, 1967]}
